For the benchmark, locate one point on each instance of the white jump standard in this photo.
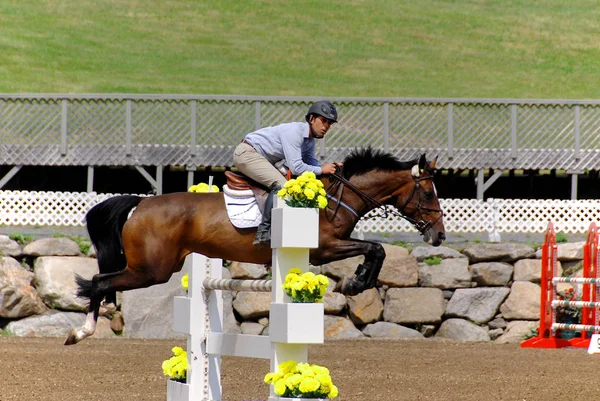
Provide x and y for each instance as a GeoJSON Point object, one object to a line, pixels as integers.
{"type": "Point", "coordinates": [291, 326]}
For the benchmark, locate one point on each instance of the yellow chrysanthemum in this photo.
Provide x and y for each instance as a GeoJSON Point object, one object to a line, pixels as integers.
{"type": "Point", "coordinates": [279, 387]}
{"type": "Point", "coordinates": [333, 392]}
{"type": "Point", "coordinates": [309, 385]}
{"type": "Point", "coordinates": [185, 281]}
{"type": "Point", "coordinates": [309, 193]}
{"type": "Point", "coordinates": [269, 377]}
{"type": "Point", "coordinates": [293, 381]}
{"type": "Point", "coordinates": [322, 201]}
{"type": "Point", "coordinates": [287, 367]}
{"type": "Point", "coordinates": [309, 175]}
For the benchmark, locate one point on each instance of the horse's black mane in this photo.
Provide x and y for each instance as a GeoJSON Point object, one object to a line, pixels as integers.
{"type": "Point", "coordinates": [361, 161]}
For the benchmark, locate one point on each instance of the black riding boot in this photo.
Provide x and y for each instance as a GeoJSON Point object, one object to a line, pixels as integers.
{"type": "Point", "coordinates": [263, 232]}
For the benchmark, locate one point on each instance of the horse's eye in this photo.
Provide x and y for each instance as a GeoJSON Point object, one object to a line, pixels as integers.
{"type": "Point", "coordinates": [428, 195]}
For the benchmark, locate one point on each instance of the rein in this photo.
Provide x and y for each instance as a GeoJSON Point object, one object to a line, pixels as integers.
{"type": "Point", "coordinates": [341, 182]}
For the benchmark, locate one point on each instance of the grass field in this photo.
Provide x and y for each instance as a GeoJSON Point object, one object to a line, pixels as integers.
{"type": "Point", "coordinates": [370, 48]}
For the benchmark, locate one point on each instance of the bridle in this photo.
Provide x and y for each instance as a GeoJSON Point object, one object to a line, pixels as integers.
{"type": "Point", "coordinates": [340, 182]}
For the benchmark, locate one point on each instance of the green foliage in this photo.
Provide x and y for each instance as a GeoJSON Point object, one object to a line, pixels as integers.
{"type": "Point", "coordinates": [535, 245]}
{"type": "Point", "coordinates": [490, 49]}
{"type": "Point", "coordinates": [20, 238]}
{"type": "Point", "coordinates": [561, 237]}
{"type": "Point", "coordinates": [403, 244]}
{"type": "Point", "coordinates": [433, 260]}
{"type": "Point", "coordinates": [532, 333]}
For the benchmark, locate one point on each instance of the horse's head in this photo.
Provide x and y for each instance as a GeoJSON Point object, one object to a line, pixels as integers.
{"type": "Point", "coordinates": [419, 203]}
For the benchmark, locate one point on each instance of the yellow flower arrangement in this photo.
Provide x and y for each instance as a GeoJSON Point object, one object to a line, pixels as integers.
{"type": "Point", "coordinates": [185, 281]}
{"type": "Point", "coordinates": [176, 366]}
{"type": "Point", "coordinates": [203, 187]}
{"type": "Point", "coordinates": [302, 380]}
{"type": "Point", "coordinates": [304, 191]}
{"type": "Point", "coordinates": [305, 287]}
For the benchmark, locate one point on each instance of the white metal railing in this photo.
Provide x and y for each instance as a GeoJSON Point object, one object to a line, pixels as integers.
{"type": "Point", "coordinates": [25, 208]}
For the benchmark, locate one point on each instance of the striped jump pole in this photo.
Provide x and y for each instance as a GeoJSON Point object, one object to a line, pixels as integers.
{"type": "Point", "coordinates": [547, 332]}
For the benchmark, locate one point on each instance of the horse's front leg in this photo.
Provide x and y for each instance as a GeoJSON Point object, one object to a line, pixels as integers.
{"type": "Point", "coordinates": [366, 274]}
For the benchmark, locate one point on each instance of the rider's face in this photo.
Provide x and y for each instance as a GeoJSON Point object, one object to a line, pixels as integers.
{"type": "Point", "coordinates": [319, 126]}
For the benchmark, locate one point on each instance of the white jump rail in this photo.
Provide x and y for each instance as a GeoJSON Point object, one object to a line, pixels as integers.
{"type": "Point", "coordinates": [291, 326]}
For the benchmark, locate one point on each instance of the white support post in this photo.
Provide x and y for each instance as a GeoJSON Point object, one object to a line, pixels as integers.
{"type": "Point", "coordinates": [197, 314]}
{"type": "Point", "coordinates": [294, 231]}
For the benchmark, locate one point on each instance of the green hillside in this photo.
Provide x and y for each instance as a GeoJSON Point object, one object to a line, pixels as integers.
{"type": "Point", "coordinates": [370, 48]}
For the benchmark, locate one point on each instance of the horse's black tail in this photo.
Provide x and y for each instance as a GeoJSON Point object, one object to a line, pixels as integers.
{"type": "Point", "coordinates": [105, 222]}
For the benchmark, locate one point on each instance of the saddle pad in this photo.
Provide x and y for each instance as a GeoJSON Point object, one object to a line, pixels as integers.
{"type": "Point", "coordinates": [243, 211]}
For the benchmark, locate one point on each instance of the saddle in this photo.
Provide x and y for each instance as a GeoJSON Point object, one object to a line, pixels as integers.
{"type": "Point", "coordinates": [239, 182]}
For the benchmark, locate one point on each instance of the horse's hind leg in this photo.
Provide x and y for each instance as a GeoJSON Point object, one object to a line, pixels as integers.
{"type": "Point", "coordinates": [96, 289]}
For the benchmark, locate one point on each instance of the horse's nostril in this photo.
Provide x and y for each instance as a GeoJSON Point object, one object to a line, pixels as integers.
{"type": "Point", "coordinates": [442, 236]}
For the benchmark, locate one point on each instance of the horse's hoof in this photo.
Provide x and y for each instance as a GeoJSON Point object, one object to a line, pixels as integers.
{"type": "Point", "coordinates": [349, 287]}
{"type": "Point", "coordinates": [72, 338]}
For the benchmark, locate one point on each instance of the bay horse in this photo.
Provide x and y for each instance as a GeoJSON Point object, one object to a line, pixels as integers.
{"type": "Point", "coordinates": [150, 245]}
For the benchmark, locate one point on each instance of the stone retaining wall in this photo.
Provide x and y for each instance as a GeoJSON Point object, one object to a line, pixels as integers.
{"type": "Point", "coordinates": [484, 292]}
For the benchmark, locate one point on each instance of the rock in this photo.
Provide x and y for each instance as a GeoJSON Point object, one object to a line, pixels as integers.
{"type": "Point", "coordinates": [462, 330]}
{"type": "Point", "coordinates": [342, 268]}
{"type": "Point", "coordinates": [497, 323]}
{"type": "Point", "coordinates": [334, 302]}
{"type": "Point", "coordinates": [400, 270]}
{"type": "Point", "coordinates": [476, 304]}
{"type": "Point", "coordinates": [50, 324]}
{"type": "Point", "coordinates": [8, 247]}
{"type": "Point", "coordinates": [413, 305]}
{"type": "Point", "coordinates": [252, 305]}
{"type": "Point", "coordinates": [365, 307]}
{"type": "Point", "coordinates": [148, 312]}
{"type": "Point", "coordinates": [490, 274]}
{"type": "Point", "coordinates": [523, 303]}
{"type": "Point", "coordinates": [531, 270]}
{"type": "Point", "coordinates": [423, 252]}
{"type": "Point", "coordinates": [116, 323]}
{"type": "Point", "coordinates": [516, 332]}
{"type": "Point", "coordinates": [427, 330]}
{"type": "Point", "coordinates": [495, 333]}
{"type": "Point", "coordinates": [390, 330]}
{"type": "Point", "coordinates": [502, 252]}
{"type": "Point", "coordinates": [230, 324]}
{"type": "Point", "coordinates": [571, 266]}
{"type": "Point", "coordinates": [570, 251]}
{"type": "Point", "coordinates": [339, 328]}
{"type": "Point", "coordinates": [55, 280]}
{"type": "Point", "coordinates": [249, 271]}
{"type": "Point", "coordinates": [52, 247]}
{"type": "Point", "coordinates": [450, 273]}
{"type": "Point", "coordinates": [252, 328]}
{"type": "Point", "coordinates": [18, 298]}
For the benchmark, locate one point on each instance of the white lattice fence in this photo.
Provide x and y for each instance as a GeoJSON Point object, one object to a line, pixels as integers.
{"type": "Point", "coordinates": [460, 215]}
{"type": "Point", "coordinates": [24, 208]}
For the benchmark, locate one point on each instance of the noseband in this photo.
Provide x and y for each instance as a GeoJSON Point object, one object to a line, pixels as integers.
{"type": "Point", "coordinates": [421, 225]}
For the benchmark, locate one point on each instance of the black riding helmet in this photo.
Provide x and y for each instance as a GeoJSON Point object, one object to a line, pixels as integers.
{"type": "Point", "coordinates": [323, 108]}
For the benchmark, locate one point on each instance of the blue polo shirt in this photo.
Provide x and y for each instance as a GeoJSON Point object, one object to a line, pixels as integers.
{"type": "Point", "coordinates": [287, 142]}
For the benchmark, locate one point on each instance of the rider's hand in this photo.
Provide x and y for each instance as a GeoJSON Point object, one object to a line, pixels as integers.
{"type": "Point", "coordinates": [328, 168]}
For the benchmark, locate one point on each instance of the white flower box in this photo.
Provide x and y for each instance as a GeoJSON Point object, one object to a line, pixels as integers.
{"type": "Point", "coordinates": [177, 391]}
{"type": "Point", "coordinates": [297, 323]}
{"type": "Point", "coordinates": [295, 227]}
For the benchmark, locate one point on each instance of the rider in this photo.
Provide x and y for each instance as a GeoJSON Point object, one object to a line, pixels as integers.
{"type": "Point", "coordinates": [293, 143]}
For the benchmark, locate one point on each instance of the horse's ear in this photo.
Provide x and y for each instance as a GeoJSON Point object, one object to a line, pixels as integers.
{"type": "Point", "coordinates": [432, 163]}
{"type": "Point", "coordinates": [422, 162]}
